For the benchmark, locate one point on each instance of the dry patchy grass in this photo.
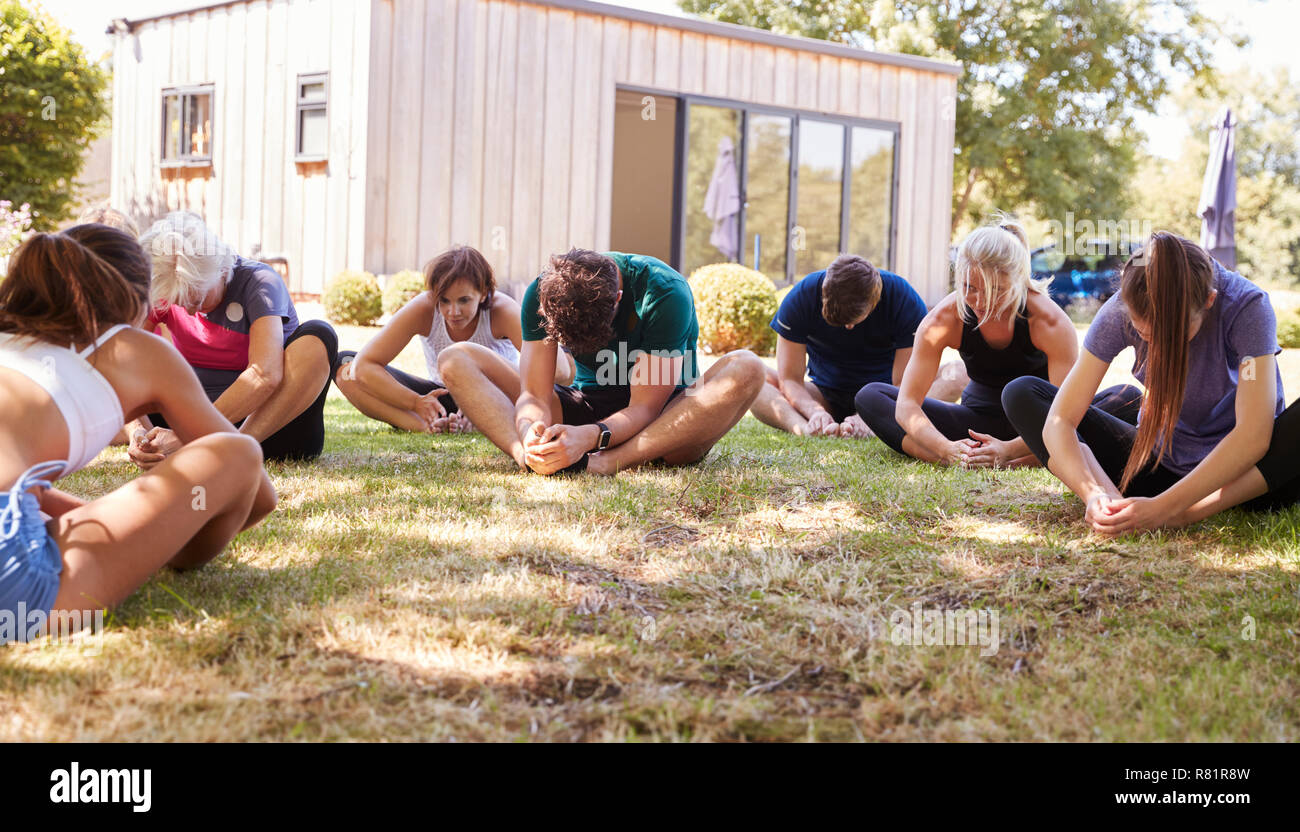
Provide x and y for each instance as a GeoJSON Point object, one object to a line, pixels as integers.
{"type": "Point", "coordinates": [417, 588]}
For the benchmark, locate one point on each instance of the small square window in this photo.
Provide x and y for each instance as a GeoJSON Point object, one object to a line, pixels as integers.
{"type": "Point", "coordinates": [312, 143]}
{"type": "Point", "coordinates": [187, 126]}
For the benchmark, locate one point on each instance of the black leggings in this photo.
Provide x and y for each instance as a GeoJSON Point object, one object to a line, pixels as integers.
{"type": "Point", "coordinates": [877, 402]}
{"type": "Point", "coordinates": [421, 386]}
{"type": "Point", "coordinates": [1028, 399]}
{"type": "Point", "coordinates": [304, 436]}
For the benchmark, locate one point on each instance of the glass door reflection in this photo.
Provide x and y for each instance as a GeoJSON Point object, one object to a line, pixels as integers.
{"type": "Point", "coordinates": [712, 187]}
{"type": "Point", "coordinates": [816, 236]}
{"type": "Point", "coordinates": [871, 194]}
{"type": "Point", "coordinates": [767, 196]}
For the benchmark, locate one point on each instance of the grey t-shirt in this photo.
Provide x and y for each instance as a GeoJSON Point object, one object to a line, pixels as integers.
{"type": "Point", "coordinates": [1239, 324]}
{"type": "Point", "coordinates": [216, 343]}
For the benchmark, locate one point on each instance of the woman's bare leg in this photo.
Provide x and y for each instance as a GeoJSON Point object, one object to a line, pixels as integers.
{"type": "Point", "coordinates": [354, 390]}
{"type": "Point", "coordinates": [306, 371]}
{"type": "Point", "coordinates": [181, 513]}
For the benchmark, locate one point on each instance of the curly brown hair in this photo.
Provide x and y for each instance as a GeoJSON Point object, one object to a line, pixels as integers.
{"type": "Point", "coordinates": [578, 295]}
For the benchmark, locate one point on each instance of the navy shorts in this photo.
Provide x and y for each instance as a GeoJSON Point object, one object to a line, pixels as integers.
{"type": "Point", "coordinates": [590, 405]}
{"type": "Point", "coordinates": [839, 403]}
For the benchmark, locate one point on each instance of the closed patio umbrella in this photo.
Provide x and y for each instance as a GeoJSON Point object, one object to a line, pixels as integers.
{"type": "Point", "coordinates": [722, 201]}
{"type": "Point", "coordinates": [1218, 204]}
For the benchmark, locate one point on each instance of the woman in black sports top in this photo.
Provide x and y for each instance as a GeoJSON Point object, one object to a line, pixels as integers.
{"type": "Point", "coordinates": [1005, 326]}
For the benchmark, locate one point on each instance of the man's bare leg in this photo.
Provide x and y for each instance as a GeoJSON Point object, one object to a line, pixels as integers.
{"type": "Point", "coordinates": [485, 387]}
{"type": "Point", "coordinates": [306, 369]}
{"type": "Point", "coordinates": [695, 421]}
{"type": "Point", "coordinates": [952, 379]}
{"type": "Point", "coordinates": [774, 409]}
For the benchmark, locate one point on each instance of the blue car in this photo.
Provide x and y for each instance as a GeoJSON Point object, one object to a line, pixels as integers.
{"type": "Point", "coordinates": [1077, 276]}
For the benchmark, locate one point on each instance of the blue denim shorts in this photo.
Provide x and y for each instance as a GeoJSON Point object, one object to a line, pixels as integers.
{"type": "Point", "coordinates": [30, 560]}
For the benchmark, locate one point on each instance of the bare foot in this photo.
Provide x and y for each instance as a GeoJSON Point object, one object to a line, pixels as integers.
{"type": "Point", "coordinates": [854, 428]}
{"type": "Point", "coordinates": [460, 424]}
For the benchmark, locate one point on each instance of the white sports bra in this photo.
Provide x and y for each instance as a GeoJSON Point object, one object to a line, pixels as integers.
{"type": "Point", "coordinates": [89, 404]}
{"type": "Point", "coordinates": [439, 339]}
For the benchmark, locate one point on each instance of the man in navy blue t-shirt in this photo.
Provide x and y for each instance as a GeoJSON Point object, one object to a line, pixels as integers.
{"type": "Point", "coordinates": [846, 327]}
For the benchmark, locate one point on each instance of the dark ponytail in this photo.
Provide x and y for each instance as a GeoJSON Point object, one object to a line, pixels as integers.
{"type": "Point", "coordinates": [1163, 285]}
{"type": "Point", "coordinates": [65, 288]}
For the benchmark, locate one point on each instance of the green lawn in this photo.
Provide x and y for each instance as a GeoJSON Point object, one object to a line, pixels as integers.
{"type": "Point", "coordinates": [415, 587]}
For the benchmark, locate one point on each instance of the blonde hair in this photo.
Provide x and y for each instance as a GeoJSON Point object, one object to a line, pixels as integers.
{"type": "Point", "coordinates": [1000, 249]}
{"type": "Point", "coordinates": [106, 214]}
{"type": "Point", "coordinates": [188, 259]}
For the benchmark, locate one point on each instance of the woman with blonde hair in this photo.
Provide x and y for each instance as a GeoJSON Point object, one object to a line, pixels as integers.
{"type": "Point", "coordinates": [1004, 325]}
{"type": "Point", "coordinates": [233, 320]}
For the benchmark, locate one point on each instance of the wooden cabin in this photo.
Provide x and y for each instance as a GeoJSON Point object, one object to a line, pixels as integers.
{"type": "Point", "coordinates": [371, 134]}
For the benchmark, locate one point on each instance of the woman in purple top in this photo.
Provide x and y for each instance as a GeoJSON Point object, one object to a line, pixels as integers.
{"type": "Point", "coordinates": [1213, 431]}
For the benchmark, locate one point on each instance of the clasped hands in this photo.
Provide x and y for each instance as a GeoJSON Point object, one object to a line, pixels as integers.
{"type": "Point", "coordinates": [980, 451]}
{"type": "Point", "coordinates": [554, 448]}
{"type": "Point", "coordinates": [148, 448]}
{"type": "Point", "coordinates": [1110, 515]}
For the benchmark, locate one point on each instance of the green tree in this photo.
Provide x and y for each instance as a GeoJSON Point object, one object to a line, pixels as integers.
{"type": "Point", "coordinates": [1266, 107]}
{"type": "Point", "coordinates": [1049, 88]}
{"type": "Point", "coordinates": [51, 107]}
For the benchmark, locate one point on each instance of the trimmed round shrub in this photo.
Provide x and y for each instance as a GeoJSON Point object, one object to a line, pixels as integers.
{"type": "Point", "coordinates": [353, 298]}
{"type": "Point", "coordinates": [401, 287]}
{"type": "Point", "coordinates": [781, 293]}
{"type": "Point", "coordinates": [1288, 330]}
{"type": "Point", "coordinates": [734, 305]}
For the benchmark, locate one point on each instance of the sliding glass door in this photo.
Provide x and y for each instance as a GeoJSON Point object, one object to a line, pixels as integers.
{"type": "Point", "coordinates": [871, 194]}
{"type": "Point", "coordinates": [778, 190]}
{"type": "Point", "coordinates": [818, 206]}
{"type": "Point", "coordinates": [713, 185]}
{"type": "Point", "coordinates": [767, 194]}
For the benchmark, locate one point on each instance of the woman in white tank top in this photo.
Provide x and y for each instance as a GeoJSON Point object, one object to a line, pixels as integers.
{"type": "Point", "coordinates": [73, 367]}
{"type": "Point", "coordinates": [461, 312]}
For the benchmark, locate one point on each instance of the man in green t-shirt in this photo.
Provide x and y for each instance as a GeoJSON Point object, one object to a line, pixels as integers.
{"type": "Point", "coordinates": [629, 322]}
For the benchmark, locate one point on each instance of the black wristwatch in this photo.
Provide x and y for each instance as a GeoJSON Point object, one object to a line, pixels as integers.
{"type": "Point", "coordinates": [605, 436]}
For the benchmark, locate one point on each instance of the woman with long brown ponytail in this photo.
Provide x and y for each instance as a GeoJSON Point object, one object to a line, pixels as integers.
{"type": "Point", "coordinates": [73, 367]}
{"type": "Point", "coordinates": [1212, 432]}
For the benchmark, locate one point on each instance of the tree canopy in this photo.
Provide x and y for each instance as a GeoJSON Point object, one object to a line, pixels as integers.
{"type": "Point", "coordinates": [1049, 90]}
{"type": "Point", "coordinates": [1266, 106]}
{"type": "Point", "coordinates": [51, 107]}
